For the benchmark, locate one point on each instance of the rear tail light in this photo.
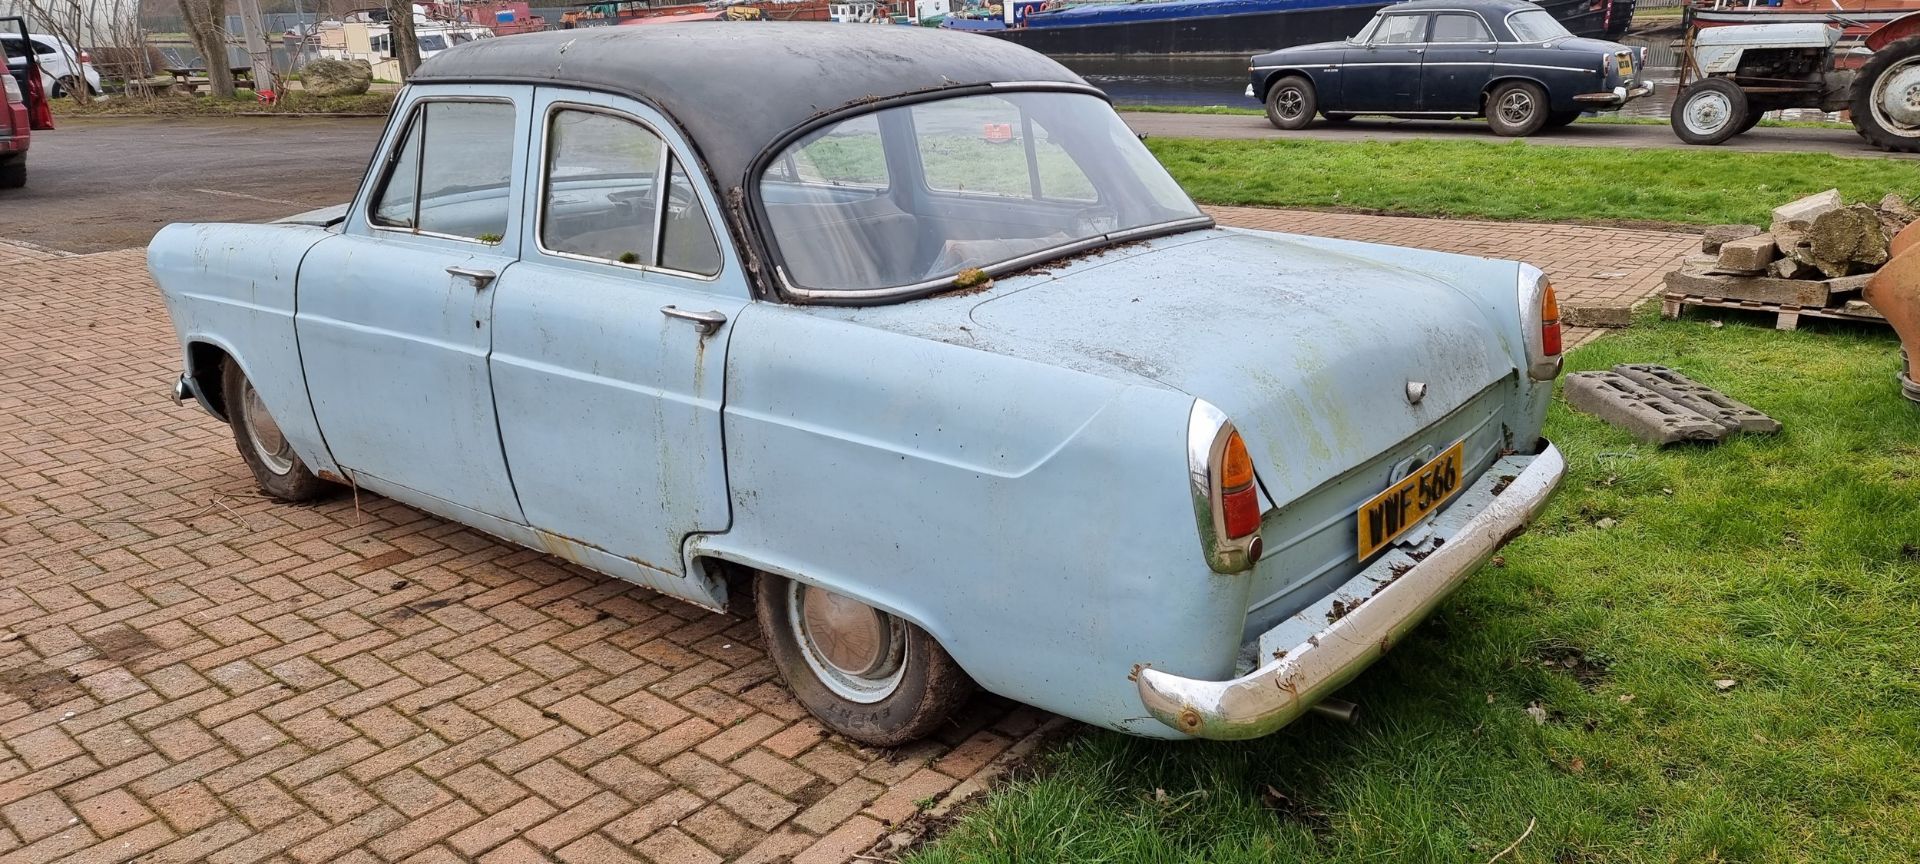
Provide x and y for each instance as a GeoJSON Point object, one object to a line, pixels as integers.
{"type": "Point", "coordinates": [1226, 500]}
{"type": "Point", "coordinates": [1539, 323]}
{"type": "Point", "coordinates": [85, 58]}
{"type": "Point", "coordinates": [1549, 322]}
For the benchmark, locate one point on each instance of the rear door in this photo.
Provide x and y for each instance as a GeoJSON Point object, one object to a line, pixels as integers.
{"type": "Point", "coordinates": [1384, 74]}
{"type": "Point", "coordinates": [1459, 62]}
{"type": "Point", "coordinates": [610, 340]}
{"type": "Point", "coordinates": [395, 315]}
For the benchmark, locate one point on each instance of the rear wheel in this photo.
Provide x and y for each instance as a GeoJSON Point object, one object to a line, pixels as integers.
{"type": "Point", "coordinates": [69, 84]}
{"type": "Point", "coordinates": [1516, 109]}
{"type": "Point", "coordinates": [266, 451]}
{"type": "Point", "coordinates": [1886, 97]}
{"type": "Point", "coordinates": [13, 172]}
{"type": "Point", "coordinates": [1291, 103]}
{"type": "Point", "coordinates": [1710, 111]}
{"type": "Point", "coordinates": [866, 674]}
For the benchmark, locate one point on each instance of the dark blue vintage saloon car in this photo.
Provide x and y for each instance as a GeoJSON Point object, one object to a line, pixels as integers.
{"type": "Point", "coordinates": [1506, 60]}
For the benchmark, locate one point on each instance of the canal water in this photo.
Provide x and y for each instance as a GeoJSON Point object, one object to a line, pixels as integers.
{"type": "Point", "coordinates": [1198, 81]}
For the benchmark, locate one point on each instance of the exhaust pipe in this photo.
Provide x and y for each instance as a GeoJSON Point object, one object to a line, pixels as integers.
{"type": "Point", "coordinates": [1338, 709]}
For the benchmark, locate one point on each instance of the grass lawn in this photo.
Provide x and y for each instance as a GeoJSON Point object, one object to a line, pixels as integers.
{"type": "Point", "coordinates": [293, 102]}
{"type": "Point", "coordinates": [1789, 565]}
{"type": "Point", "coordinates": [1520, 181]}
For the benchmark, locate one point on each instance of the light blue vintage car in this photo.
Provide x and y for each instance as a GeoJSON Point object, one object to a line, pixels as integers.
{"type": "Point", "coordinates": [903, 336]}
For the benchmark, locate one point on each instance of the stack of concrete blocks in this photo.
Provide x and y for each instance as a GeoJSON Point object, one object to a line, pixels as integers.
{"type": "Point", "coordinates": [1814, 258]}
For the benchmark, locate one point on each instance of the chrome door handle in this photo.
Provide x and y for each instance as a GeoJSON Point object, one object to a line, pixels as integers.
{"type": "Point", "coordinates": [1486, 50]}
{"type": "Point", "coordinates": [1417, 50]}
{"type": "Point", "coordinates": [705, 322]}
{"type": "Point", "coordinates": [480, 278]}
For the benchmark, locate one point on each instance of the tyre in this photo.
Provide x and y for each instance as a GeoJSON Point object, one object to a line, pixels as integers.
{"type": "Point", "coordinates": [864, 673]}
{"type": "Point", "coordinates": [1516, 109]}
{"type": "Point", "coordinates": [1710, 111]}
{"type": "Point", "coordinates": [1558, 119]}
{"type": "Point", "coordinates": [1336, 118]}
{"type": "Point", "coordinates": [1886, 97]}
{"type": "Point", "coordinates": [68, 84]}
{"type": "Point", "coordinates": [1753, 118]}
{"type": "Point", "coordinates": [13, 173]}
{"type": "Point", "coordinates": [1291, 103]}
{"type": "Point", "coordinates": [276, 468]}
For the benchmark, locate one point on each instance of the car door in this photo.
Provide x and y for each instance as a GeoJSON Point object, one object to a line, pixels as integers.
{"type": "Point", "coordinates": [1459, 62]}
{"type": "Point", "coordinates": [1384, 74]}
{"type": "Point", "coordinates": [395, 316]}
{"type": "Point", "coordinates": [610, 339]}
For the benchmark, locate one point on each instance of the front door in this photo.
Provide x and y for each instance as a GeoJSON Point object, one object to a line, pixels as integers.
{"type": "Point", "coordinates": [395, 315]}
{"type": "Point", "coordinates": [610, 339]}
{"type": "Point", "coordinates": [1384, 74]}
{"type": "Point", "coordinates": [1459, 63]}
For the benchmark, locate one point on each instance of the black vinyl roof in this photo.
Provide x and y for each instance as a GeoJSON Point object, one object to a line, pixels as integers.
{"type": "Point", "coordinates": [737, 87]}
{"type": "Point", "coordinates": [1491, 6]}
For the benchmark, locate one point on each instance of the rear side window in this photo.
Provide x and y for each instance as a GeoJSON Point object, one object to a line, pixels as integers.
{"type": "Point", "coordinates": [614, 192]}
{"type": "Point", "coordinates": [452, 172]}
{"type": "Point", "coordinates": [1459, 27]}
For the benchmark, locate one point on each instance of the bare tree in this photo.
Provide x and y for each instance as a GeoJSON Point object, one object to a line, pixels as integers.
{"type": "Point", "coordinates": [406, 45]}
{"type": "Point", "coordinates": [206, 25]}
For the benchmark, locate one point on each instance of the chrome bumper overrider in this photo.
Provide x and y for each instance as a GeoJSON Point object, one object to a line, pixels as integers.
{"type": "Point", "coordinates": [1616, 96]}
{"type": "Point", "coordinates": [1380, 608]}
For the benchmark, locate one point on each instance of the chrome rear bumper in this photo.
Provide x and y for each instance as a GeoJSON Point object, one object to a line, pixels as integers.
{"type": "Point", "coordinates": [1616, 96]}
{"type": "Point", "coordinates": [1370, 613]}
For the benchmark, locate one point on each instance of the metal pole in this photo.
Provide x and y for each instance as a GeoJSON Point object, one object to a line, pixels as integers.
{"type": "Point", "coordinates": [257, 51]}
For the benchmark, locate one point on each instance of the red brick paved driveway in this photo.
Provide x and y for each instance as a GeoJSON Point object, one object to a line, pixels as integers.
{"type": "Point", "coordinates": [189, 672]}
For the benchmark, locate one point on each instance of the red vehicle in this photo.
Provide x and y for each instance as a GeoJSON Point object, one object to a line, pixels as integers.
{"type": "Point", "coordinates": [23, 109]}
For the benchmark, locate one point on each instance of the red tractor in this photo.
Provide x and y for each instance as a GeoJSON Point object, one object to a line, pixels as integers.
{"type": "Point", "coordinates": [1731, 75]}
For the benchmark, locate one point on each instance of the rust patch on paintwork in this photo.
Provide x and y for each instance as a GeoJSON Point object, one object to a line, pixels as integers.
{"type": "Point", "coordinates": [330, 477]}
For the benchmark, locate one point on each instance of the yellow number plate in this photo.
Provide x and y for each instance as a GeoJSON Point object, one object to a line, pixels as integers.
{"type": "Point", "coordinates": [1626, 66]}
{"type": "Point", "coordinates": [1422, 491]}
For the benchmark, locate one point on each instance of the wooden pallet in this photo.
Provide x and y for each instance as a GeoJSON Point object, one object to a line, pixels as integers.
{"type": "Point", "coordinates": [1786, 315]}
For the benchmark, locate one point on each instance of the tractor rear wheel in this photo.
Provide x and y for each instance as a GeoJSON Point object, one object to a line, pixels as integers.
{"type": "Point", "coordinates": [1710, 111]}
{"type": "Point", "coordinates": [1886, 97]}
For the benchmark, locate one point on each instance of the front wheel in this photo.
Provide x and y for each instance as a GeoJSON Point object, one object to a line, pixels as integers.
{"type": "Point", "coordinates": [866, 674]}
{"type": "Point", "coordinates": [1516, 109]}
{"type": "Point", "coordinates": [1291, 103]}
{"type": "Point", "coordinates": [266, 451]}
{"type": "Point", "coordinates": [1886, 97]}
{"type": "Point", "coordinates": [1710, 111]}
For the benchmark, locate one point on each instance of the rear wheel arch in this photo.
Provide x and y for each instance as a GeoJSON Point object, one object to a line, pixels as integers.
{"type": "Point", "coordinates": [1493, 85]}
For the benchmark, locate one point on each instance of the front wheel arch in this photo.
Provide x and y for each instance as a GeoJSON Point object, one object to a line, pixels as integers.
{"type": "Point", "coordinates": [206, 365]}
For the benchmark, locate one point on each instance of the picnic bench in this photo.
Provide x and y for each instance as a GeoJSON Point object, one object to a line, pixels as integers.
{"type": "Point", "coordinates": [188, 79]}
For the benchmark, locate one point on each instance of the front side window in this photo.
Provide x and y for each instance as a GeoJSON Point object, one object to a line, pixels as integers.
{"type": "Point", "coordinates": [1460, 27]}
{"type": "Point", "coordinates": [910, 196]}
{"type": "Point", "coordinates": [451, 172]}
{"type": "Point", "coordinates": [1535, 25]}
{"type": "Point", "coordinates": [602, 197]}
{"type": "Point", "coordinates": [1401, 30]}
